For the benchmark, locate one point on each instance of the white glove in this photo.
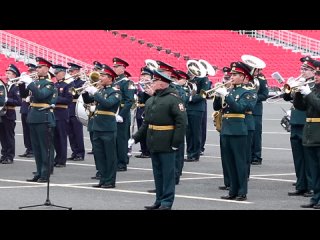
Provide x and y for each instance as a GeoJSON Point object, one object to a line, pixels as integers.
{"type": "Point", "coordinates": [174, 149]}
{"type": "Point", "coordinates": [305, 90]}
{"type": "Point", "coordinates": [25, 79]}
{"type": "Point", "coordinates": [91, 90]}
{"type": "Point", "coordinates": [92, 108]}
{"type": "Point", "coordinates": [28, 99]}
{"type": "Point", "coordinates": [222, 91]}
{"type": "Point", "coordinates": [119, 118]}
{"type": "Point", "coordinates": [131, 142]}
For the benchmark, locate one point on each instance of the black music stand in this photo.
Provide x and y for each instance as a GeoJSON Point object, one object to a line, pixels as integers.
{"type": "Point", "coordinates": [47, 202]}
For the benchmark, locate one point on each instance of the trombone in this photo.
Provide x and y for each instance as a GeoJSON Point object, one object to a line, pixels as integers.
{"type": "Point", "coordinates": [93, 80]}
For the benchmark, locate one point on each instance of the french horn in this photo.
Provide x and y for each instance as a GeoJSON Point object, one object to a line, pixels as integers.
{"type": "Point", "coordinates": [196, 68]}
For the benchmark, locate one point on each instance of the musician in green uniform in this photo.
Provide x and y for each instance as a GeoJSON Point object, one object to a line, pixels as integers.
{"type": "Point", "coordinates": [123, 117]}
{"type": "Point", "coordinates": [41, 119]}
{"type": "Point", "coordinates": [234, 130]}
{"type": "Point", "coordinates": [164, 125]}
{"type": "Point", "coordinates": [104, 127]}
{"type": "Point", "coordinates": [263, 92]}
{"type": "Point", "coordinates": [301, 157]}
{"type": "Point", "coordinates": [309, 100]}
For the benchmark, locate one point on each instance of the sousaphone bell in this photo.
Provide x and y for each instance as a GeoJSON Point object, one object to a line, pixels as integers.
{"type": "Point", "coordinates": [151, 64]}
{"type": "Point", "coordinates": [196, 68]}
{"type": "Point", "coordinates": [208, 67]}
{"type": "Point", "coordinates": [253, 62]}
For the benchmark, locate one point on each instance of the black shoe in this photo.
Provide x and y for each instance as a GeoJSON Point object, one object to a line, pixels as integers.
{"type": "Point", "coordinates": [163, 208]}
{"type": "Point", "coordinates": [78, 159]}
{"type": "Point", "coordinates": [71, 158]}
{"type": "Point", "coordinates": [224, 188]}
{"type": "Point", "coordinates": [96, 177]}
{"type": "Point", "coordinates": [191, 160]}
{"type": "Point", "coordinates": [228, 197]}
{"type": "Point", "coordinates": [142, 156]}
{"type": "Point", "coordinates": [294, 184]}
{"type": "Point", "coordinates": [316, 206]}
{"type": "Point", "coordinates": [108, 186]}
{"type": "Point", "coordinates": [23, 155]}
{"type": "Point", "coordinates": [308, 194]}
{"type": "Point", "coordinates": [256, 163]}
{"type": "Point", "coordinates": [152, 207]}
{"type": "Point", "coordinates": [34, 179]}
{"type": "Point", "coordinates": [91, 152]}
{"type": "Point", "coordinates": [29, 155]}
{"type": "Point", "coordinates": [42, 180]}
{"type": "Point", "coordinates": [121, 169]}
{"type": "Point", "coordinates": [241, 198]}
{"type": "Point", "coordinates": [309, 205]}
{"type": "Point", "coordinates": [2, 158]}
{"type": "Point", "coordinates": [151, 191]}
{"type": "Point", "coordinates": [97, 185]}
{"type": "Point", "coordinates": [7, 161]}
{"type": "Point", "coordinates": [297, 193]}
{"type": "Point", "coordinates": [58, 165]}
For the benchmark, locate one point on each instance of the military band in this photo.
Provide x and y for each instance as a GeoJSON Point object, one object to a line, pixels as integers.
{"type": "Point", "coordinates": [170, 105]}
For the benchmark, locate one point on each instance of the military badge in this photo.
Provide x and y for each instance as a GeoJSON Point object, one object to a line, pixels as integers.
{"type": "Point", "coordinates": [181, 107]}
{"type": "Point", "coordinates": [61, 89]}
{"type": "Point", "coordinates": [117, 95]}
{"type": "Point", "coordinates": [237, 97]}
{"type": "Point", "coordinates": [48, 86]}
{"type": "Point", "coordinates": [106, 95]}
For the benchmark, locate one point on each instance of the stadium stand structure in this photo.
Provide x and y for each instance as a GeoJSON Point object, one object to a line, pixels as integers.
{"type": "Point", "coordinates": [219, 47]}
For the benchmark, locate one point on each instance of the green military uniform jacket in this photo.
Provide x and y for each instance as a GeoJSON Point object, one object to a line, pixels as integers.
{"type": "Point", "coordinates": [127, 89]}
{"type": "Point", "coordinates": [310, 104]}
{"type": "Point", "coordinates": [164, 110]}
{"type": "Point", "coordinates": [197, 102]}
{"type": "Point", "coordinates": [108, 101]}
{"type": "Point", "coordinates": [297, 117]}
{"type": "Point", "coordinates": [239, 101]}
{"type": "Point", "coordinates": [43, 92]}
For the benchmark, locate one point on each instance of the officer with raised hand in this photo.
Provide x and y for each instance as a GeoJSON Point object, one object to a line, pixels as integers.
{"type": "Point", "coordinates": [41, 119]}
{"type": "Point", "coordinates": [75, 127]}
{"type": "Point", "coordinates": [127, 89]}
{"type": "Point", "coordinates": [164, 125]}
{"type": "Point", "coordinates": [105, 126]}
{"type": "Point", "coordinates": [8, 120]}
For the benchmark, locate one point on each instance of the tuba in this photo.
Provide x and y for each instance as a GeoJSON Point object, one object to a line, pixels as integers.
{"type": "Point", "coordinates": [151, 64]}
{"type": "Point", "coordinates": [196, 68]}
{"type": "Point", "coordinates": [208, 67]}
{"type": "Point", "coordinates": [254, 63]}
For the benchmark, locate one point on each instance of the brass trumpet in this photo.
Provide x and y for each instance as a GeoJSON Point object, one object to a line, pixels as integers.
{"type": "Point", "coordinates": [17, 79]}
{"type": "Point", "coordinates": [211, 92]}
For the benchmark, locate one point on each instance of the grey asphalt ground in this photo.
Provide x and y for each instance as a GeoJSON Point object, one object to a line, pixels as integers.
{"type": "Point", "coordinates": [198, 189]}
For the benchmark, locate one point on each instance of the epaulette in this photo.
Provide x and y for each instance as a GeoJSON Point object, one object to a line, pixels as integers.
{"type": "Point", "coordinates": [68, 81]}
{"type": "Point", "coordinates": [176, 95]}
{"type": "Point", "coordinates": [248, 88]}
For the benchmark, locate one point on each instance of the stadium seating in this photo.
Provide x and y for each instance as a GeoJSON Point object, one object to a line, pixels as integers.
{"type": "Point", "coordinates": [219, 47]}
